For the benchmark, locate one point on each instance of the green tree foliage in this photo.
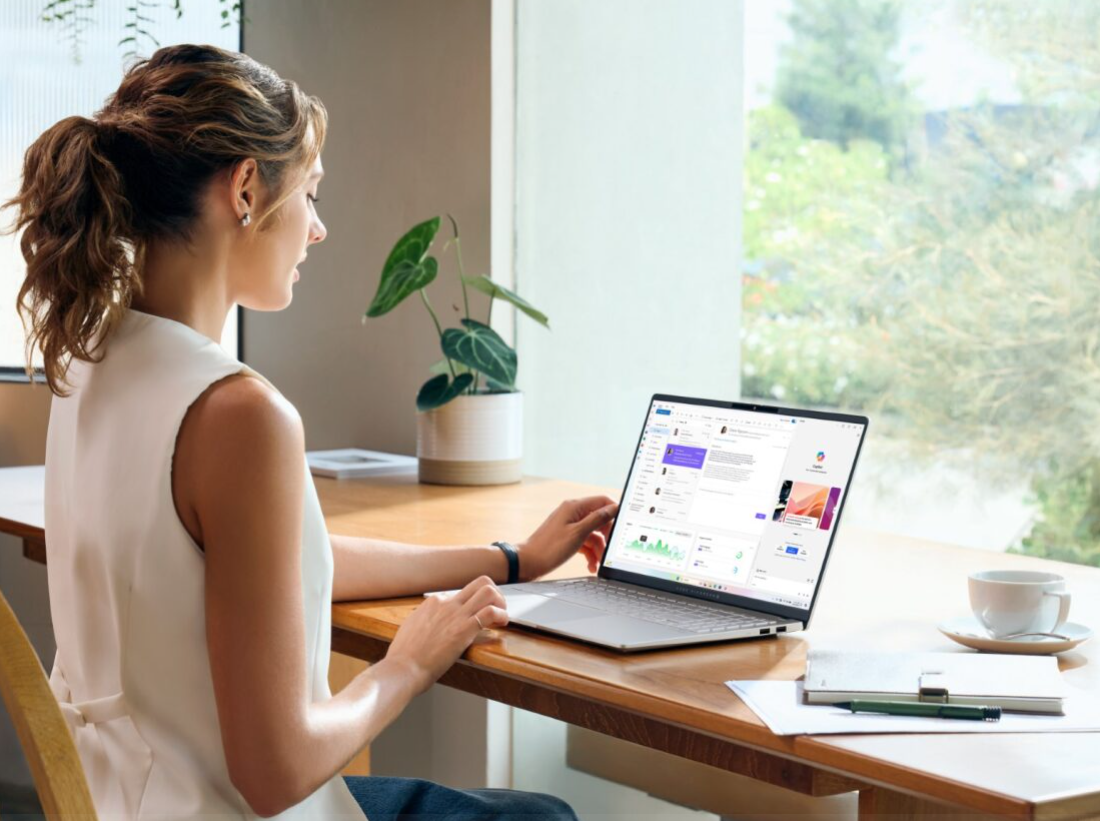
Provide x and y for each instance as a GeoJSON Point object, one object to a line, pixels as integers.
{"type": "Point", "coordinates": [988, 288]}
{"type": "Point", "coordinates": [964, 292]}
{"type": "Point", "coordinates": [1051, 45]}
{"type": "Point", "coordinates": [988, 284]}
{"type": "Point", "coordinates": [839, 76]}
{"type": "Point", "coordinates": [805, 200]}
{"type": "Point", "coordinates": [1070, 528]}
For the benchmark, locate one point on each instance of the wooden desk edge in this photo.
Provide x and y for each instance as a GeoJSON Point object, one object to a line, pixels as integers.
{"type": "Point", "coordinates": [22, 530]}
{"type": "Point", "coordinates": [800, 763]}
{"type": "Point", "coordinates": [34, 538]}
{"type": "Point", "coordinates": [841, 773]}
{"type": "Point", "coordinates": [615, 721]}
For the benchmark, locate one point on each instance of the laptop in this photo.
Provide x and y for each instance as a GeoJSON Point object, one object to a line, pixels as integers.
{"type": "Point", "coordinates": [727, 519]}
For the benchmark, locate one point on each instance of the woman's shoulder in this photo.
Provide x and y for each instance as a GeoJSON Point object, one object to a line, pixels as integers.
{"type": "Point", "coordinates": [237, 435]}
{"type": "Point", "coordinates": [239, 411]}
{"type": "Point", "coordinates": [245, 401]}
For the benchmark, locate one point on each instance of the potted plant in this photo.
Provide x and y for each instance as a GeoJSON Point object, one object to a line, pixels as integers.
{"type": "Point", "coordinates": [469, 414]}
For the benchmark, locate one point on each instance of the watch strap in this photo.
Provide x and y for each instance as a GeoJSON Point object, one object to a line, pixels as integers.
{"type": "Point", "coordinates": [512, 555]}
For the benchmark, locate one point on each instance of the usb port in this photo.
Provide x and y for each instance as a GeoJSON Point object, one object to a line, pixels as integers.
{"type": "Point", "coordinates": [765, 630]}
{"type": "Point", "coordinates": [781, 629]}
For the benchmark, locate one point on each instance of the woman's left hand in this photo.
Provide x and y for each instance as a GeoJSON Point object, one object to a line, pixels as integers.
{"type": "Point", "coordinates": [576, 525]}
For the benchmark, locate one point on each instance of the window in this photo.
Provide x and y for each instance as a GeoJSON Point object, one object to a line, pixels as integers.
{"type": "Point", "coordinates": [921, 196]}
{"type": "Point", "coordinates": [906, 192]}
{"type": "Point", "coordinates": [56, 69]}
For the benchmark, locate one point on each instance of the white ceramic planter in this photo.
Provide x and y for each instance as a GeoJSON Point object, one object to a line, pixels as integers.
{"type": "Point", "coordinates": [472, 440]}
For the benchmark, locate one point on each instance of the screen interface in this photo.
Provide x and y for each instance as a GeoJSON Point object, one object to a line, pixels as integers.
{"type": "Point", "coordinates": [736, 501]}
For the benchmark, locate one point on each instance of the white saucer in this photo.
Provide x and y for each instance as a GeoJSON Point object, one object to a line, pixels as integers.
{"type": "Point", "coordinates": [968, 631]}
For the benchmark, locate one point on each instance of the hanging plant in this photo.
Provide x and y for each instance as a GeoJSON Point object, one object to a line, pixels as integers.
{"type": "Point", "coordinates": [72, 18]}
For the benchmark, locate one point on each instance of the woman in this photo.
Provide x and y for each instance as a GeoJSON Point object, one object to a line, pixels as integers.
{"type": "Point", "coordinates": [191, 577]}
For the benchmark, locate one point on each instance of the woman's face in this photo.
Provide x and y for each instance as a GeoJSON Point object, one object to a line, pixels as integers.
{"type": "Point", "coordinates": [267, 266]}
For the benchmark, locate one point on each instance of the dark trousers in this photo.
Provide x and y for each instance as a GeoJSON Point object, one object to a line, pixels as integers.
{"type": "Point", "coordinates": [414, 799]}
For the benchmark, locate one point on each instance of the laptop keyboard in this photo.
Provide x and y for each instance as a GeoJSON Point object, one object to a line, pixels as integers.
{"type": "Point", "coordinates": [649, 605]}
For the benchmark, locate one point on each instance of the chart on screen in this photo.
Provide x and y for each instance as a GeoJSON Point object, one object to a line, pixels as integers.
{"type": "Point", "coordinates": [658, 546]}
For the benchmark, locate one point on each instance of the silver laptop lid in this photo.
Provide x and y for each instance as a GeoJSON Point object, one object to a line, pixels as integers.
{"type": "Point", "coordinates": [734, 502]}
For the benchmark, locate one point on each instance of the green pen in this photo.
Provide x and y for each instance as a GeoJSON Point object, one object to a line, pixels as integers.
{"type": "Point", "coordinates": [916, 708]}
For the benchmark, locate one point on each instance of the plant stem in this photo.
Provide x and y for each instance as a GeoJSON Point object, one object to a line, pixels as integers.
{"type": "Point", "coordinates": [461, 267]}
{"type": "Point", "coordinates": [439, 328]}
{"type": "Point", "coordinates": [465, 298]}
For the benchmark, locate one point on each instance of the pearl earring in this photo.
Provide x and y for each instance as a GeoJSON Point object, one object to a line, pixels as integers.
{"type": "Point", "coordinates": [247, 218]}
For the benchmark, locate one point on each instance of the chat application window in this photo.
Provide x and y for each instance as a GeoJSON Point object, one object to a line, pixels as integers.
{"type": "Point", "coordinates": [734, 501]}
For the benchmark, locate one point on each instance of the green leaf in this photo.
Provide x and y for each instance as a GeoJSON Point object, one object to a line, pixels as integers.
{"type": "Point", "coordinates": [439, 390]}
{"type": "Point", "coordinates": [481, 348]}
{"type": "Point", "coordinates": [405, 278]}
{"type": "Point", "coordinates": [413, 246]}
{"type": "Point", "coordinates": [408, 268]}
{"type": "Point", "coordinates": [487, 286]}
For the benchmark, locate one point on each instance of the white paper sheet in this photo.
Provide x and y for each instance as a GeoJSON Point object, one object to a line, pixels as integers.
{"type": "Point", "coordinates": [779, 705]}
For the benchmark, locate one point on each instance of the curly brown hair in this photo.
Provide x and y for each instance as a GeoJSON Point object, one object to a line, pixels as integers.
{"type": "Point", "coordinates": [95, 192]}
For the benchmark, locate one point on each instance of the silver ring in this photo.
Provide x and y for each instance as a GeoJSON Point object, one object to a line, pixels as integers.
{"type": "Point", "coordinates": [480, 626]}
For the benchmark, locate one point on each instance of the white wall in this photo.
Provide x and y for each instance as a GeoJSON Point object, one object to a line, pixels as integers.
{"type": "Point", "coordinates": [628, 177]}
{"type": "Point", "coordinates": [628, 196]}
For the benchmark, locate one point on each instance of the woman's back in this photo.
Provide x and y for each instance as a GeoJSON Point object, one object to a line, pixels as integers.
{"type": "Point", "coordinates": [127, 583]}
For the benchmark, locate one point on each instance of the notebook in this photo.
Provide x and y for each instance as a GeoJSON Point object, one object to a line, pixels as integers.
{"type": "Point", "coordinates": [1030, 684]}
{"type": "Point", "coordinates": [352, 463]}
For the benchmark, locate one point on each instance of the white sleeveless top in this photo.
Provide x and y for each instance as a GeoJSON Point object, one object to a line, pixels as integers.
{"type": "Point", "coordinates": [126, 585]}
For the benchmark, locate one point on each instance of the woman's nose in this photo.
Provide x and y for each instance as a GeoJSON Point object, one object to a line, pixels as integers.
{"type": "Point", "coordinates": [318, 231]}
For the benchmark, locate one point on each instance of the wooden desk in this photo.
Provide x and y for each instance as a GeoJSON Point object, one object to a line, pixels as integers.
{"type": "Point", "coordinates": [22, 513]}
{"type": "Point", "coordinates": [882, 592]}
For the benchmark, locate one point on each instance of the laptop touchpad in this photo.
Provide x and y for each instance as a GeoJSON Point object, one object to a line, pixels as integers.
{"type": "Point", "coordinates": [545, 610]}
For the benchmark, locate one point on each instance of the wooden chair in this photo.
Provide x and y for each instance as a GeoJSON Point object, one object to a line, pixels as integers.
{"type": "Point", "coordinates": [43, 734]}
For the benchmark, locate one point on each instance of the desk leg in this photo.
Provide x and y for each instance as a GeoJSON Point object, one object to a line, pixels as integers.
{"type": "Point", "coordinates": [34, 550]}
{"type": "Point", "coordinates": [877, 804]}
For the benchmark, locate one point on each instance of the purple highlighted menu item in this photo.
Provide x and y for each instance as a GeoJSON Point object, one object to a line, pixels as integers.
{"type": "Point", "coordinates": [830, 509]}
{"type": "Point", "coordinates": [682, 456]}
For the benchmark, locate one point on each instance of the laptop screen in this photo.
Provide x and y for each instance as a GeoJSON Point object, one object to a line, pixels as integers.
{"type": "Point", "coordinates": [739, 502]}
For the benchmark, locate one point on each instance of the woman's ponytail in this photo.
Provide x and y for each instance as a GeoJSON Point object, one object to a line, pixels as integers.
{"type": "Point", "coordinates": [96, 193]}
{"type": "Point", "coordinates": [76, 243]}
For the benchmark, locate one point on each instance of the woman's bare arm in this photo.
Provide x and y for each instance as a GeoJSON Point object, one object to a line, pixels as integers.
{"type": "Point", "coordinates": [239, 479]}
{"type": "Point", "coordinates": [374, 569]}
{"type": "Point", "coordinates": [377, 569]}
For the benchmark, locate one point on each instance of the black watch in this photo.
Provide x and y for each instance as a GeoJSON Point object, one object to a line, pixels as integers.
{"type": "Point", "coordinates": [513, 560]}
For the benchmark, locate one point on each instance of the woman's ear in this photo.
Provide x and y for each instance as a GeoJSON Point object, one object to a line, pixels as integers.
{"type": "Point", "coordinates": [244, 182]}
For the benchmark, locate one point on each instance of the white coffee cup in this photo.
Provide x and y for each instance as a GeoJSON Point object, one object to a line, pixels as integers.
{"type": "Point", "coordinates": [1019, 601]}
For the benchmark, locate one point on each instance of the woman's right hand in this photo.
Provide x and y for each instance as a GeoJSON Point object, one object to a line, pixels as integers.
{"type": "Point", "coordinates": [439, 630]}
